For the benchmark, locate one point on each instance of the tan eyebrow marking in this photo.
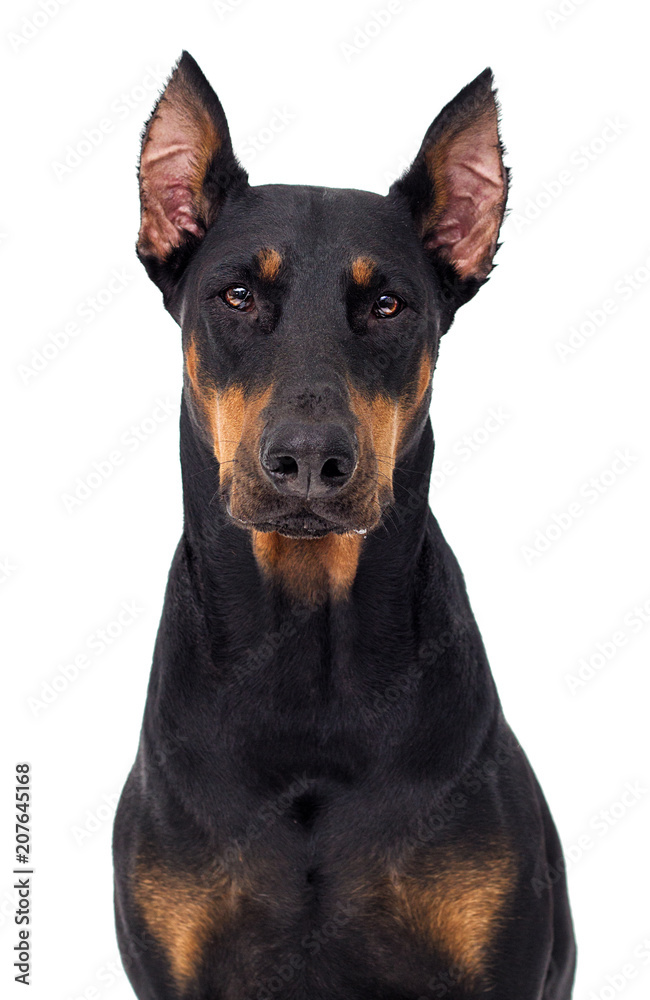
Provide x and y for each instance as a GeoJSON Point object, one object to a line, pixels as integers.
{"type": "Point", "coordinates": [362, 270]}
{"type": "Point", "coordinates": [269, 261]}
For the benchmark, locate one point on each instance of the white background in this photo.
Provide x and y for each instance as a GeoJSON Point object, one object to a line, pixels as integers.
{"type": "Point", "coordinates": [578, 226]}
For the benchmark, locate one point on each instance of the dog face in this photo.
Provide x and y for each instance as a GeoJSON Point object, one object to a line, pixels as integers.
{"type": "Point", "coordinates": [311, 316]}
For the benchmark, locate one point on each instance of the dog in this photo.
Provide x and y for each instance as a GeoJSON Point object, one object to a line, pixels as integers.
{"type": "Point", "coordinates": [326, 800]}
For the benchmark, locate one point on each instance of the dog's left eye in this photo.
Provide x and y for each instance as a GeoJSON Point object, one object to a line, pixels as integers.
{"type": "Point", "coordinates": [238, 297]}
{"type": "Point", "coordinates": [387, 306]}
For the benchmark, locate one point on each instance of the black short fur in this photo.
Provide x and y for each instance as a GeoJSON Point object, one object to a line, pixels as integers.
{"type": "Point", "coordinates": [306, 766]}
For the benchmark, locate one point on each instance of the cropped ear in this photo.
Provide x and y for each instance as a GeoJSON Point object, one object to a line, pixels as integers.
{"type": "Point", "coordinates": [457, 186]}
{"type": "Point", "coordinates": [187, 167]}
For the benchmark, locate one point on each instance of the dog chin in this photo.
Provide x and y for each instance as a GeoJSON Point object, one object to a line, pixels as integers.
{"type": "Point", "coordinates": [306, 524]}
{"type": "Point", "coordinates": [311, 526]}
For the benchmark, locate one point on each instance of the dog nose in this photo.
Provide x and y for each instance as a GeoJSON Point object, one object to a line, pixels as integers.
{"type": "Point", "coordinates": [310, 460]}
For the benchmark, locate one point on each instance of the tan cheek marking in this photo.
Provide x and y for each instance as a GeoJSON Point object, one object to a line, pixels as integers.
{"type": "Point", "coordinates": [312, 569]}
{"type": "Point", "coordinates": [377, 432]}
{"type": "Point", "coordinates": [409, 407]}
{"type": "Point", "coordinates": [181, 913]}
{"type": "Point", "coordinates": [383, 422]}
{"type": "Point", "coordinates": [230, 415]}
{"type": "Point", "coordinates": [424, 377]}
{"type": "Point", "coordinates": [223, 412]}
{"type": "Point", "coordinates": [191, 366]}
{"type": "Point", "coordinates": [227, 415]}
{"type": "Point", "coordinates": [459, 908]}
{"type": "Point", "coordinates": [362, 270]}
{"type": "Point", "coordinates": [269, 261]}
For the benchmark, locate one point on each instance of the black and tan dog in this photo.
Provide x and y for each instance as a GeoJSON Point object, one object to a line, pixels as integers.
{"type": "Point", "coordinates": [326, 801]}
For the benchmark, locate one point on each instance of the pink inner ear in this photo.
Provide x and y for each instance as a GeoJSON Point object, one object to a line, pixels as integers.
{"type": "Point", "coordinates": [470, 194]}
{"type": "Point", "coordinates": [175, 157]}
{"type": "Point", "coordinates": [166, 171]}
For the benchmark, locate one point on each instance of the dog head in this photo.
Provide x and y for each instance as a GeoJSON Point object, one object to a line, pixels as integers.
{"type": "Point", "coordinates": [311, 316]}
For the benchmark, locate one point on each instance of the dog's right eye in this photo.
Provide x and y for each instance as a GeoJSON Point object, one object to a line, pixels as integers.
{"type": "Point", "coordinates": [387, 306]}
{"type": "Point", "coordinates": [238, 297]}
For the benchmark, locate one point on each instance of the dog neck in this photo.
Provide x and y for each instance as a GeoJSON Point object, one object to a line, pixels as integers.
{"type": "Point", "coordinates": [405, 621]}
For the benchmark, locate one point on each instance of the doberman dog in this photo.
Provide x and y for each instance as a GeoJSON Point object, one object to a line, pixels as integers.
{"type": "Point", "coordinates": [326, 801]}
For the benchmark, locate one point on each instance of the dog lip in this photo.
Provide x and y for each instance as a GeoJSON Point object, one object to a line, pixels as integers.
{"type": "Point", "coordinates": [307, 523]}
{"type": "Point", "coordinates": [311, 526]}
{"type": "Point", "coordinates": [290, 531]}
{"type": "Point", "coordinates": [300, 526]}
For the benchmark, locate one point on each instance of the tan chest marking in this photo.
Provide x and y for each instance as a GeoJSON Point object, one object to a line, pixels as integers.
{"type": "Point", "coordinates": [182, 912]}
{"type": "Point", "coordinates": [459, 907]}
{"type": "Point", "coordinates": [310, 568]}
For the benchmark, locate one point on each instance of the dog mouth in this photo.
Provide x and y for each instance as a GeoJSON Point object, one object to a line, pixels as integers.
{"type": "Point", "coordinates": [355, 510]}
{"type": "Point", "coordinates": [305, 524]}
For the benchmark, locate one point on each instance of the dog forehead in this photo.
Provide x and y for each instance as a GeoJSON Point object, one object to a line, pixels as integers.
{"type": "Point", "coordinates": [333, 225]}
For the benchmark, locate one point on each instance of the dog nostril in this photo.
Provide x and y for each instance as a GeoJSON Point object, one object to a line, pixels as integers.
{"type": "Point", "coordinates": [282, 465]}
{"type": "Point", "coordinates": [333, 469]}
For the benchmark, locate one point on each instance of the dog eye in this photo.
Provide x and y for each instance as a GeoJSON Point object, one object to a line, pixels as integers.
{"type": "Point", "coordinates": [238, 297]}
{"type": "Point", "coordinates": [387, 306]}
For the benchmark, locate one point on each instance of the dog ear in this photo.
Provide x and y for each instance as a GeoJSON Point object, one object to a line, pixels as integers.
{"type": "Point", "coordinates": [456, 188]}
{"type": "Point", "coordinates": [187, 167]}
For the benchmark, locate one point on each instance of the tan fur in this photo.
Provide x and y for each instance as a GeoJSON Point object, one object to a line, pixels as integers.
{"type": "Point", "coordinates": [383, 424]}
{"type": "Point", "coordinates": [362, 270]}
{"type": "Point", "coordinates": [269, 261]}
{"type": "Point", "coordinates": [229, 414]}
{"type": "Point", "coordinates": [310, 568]}
{"type": "Point", "coordinates": [425, 375]}
{"type": "Point", "coordinates": [182, 912]}
{"type": "Point", "coordinates": [458, 905]}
